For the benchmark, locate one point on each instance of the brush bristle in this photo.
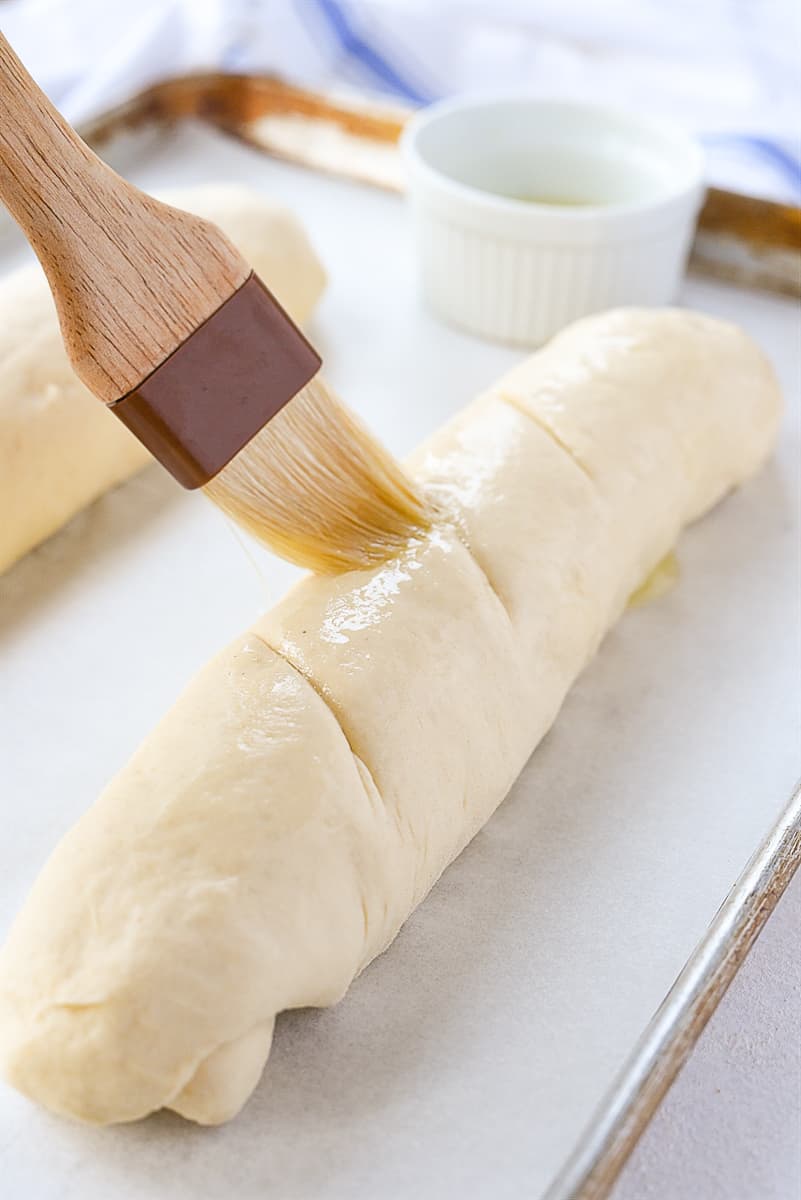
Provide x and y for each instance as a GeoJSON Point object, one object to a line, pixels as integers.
{"type": "Point", "coordinates": [316, 487]}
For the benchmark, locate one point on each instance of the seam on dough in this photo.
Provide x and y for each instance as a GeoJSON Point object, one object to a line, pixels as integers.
{"type": "Point", "coordinates": [318, 691]}
{"type": "Point", "coordinates": [365, 916]}
{"type": "Point", "coordinates": [513, 402]}
{"type": "Point", "coordinates": [208, 1053]}
{"type": "Point", "coordinates": [485, 575]}
{"type": "Point", "coordinates": [403, 829]}
{"type": "Point", "coordinates": [453, 525]}
{"type": "Point", "coordinates": [369, 786]}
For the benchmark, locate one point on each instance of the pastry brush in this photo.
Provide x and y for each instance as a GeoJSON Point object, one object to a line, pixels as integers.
{"type": "Point", "coordinates": [165, 322]}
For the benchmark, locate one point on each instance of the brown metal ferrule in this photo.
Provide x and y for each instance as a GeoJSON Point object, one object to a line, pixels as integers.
{"type": "Point", "coordinates": [221, 386]}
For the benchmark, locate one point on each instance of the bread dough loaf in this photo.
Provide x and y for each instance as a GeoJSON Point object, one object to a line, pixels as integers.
{"type": "Point", "coordinates": [276, 829]}
{"type": "Point", "coordinates": [59, 447]}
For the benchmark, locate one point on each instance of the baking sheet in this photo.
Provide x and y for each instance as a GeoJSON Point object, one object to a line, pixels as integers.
{"type": "Point", "coordinates": [472, 1056]}
{"type": "Point", "coordinates": [745, 239]}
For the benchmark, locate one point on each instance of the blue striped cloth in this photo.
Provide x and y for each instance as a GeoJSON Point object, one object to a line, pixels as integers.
{"type": "Point", "coordinates": [725, 69]}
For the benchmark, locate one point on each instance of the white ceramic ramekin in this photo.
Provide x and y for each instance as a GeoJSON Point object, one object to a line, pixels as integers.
{"type": "Point", "coordinates": [530, 213]}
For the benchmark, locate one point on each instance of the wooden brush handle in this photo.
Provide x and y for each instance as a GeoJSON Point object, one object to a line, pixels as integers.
{"type": "Point", "coordinates": [132, 278]}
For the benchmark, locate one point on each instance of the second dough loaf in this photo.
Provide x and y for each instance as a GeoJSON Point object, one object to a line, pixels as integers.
{"type": "Point", "coordinates": [276, 829]}
{"type": "Point", "coordinates": [59, 448]}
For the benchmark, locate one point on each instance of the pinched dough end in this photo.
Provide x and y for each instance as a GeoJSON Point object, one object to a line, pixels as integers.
{"type": "Point", "coordinates": [224, 1081]}
{"type": "Point", "coordinates": [120, 982]}
{"type": "Point", "coordinates": [65, 1059]}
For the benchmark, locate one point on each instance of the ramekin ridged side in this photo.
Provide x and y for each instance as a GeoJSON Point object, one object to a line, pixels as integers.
{"type": "Point", "coordinates": [518, 272]}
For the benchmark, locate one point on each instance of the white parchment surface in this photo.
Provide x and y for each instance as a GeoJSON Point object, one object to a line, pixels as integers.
{"type": "Point", "coordinates": [467, 1060]}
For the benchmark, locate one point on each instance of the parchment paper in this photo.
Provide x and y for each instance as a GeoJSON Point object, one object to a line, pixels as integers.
{"type": "Point", "coordinates": [468, 1059]}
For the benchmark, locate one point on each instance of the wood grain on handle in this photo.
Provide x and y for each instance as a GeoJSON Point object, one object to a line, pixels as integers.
{"type": "Point", "coordinates": [132, 278]}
